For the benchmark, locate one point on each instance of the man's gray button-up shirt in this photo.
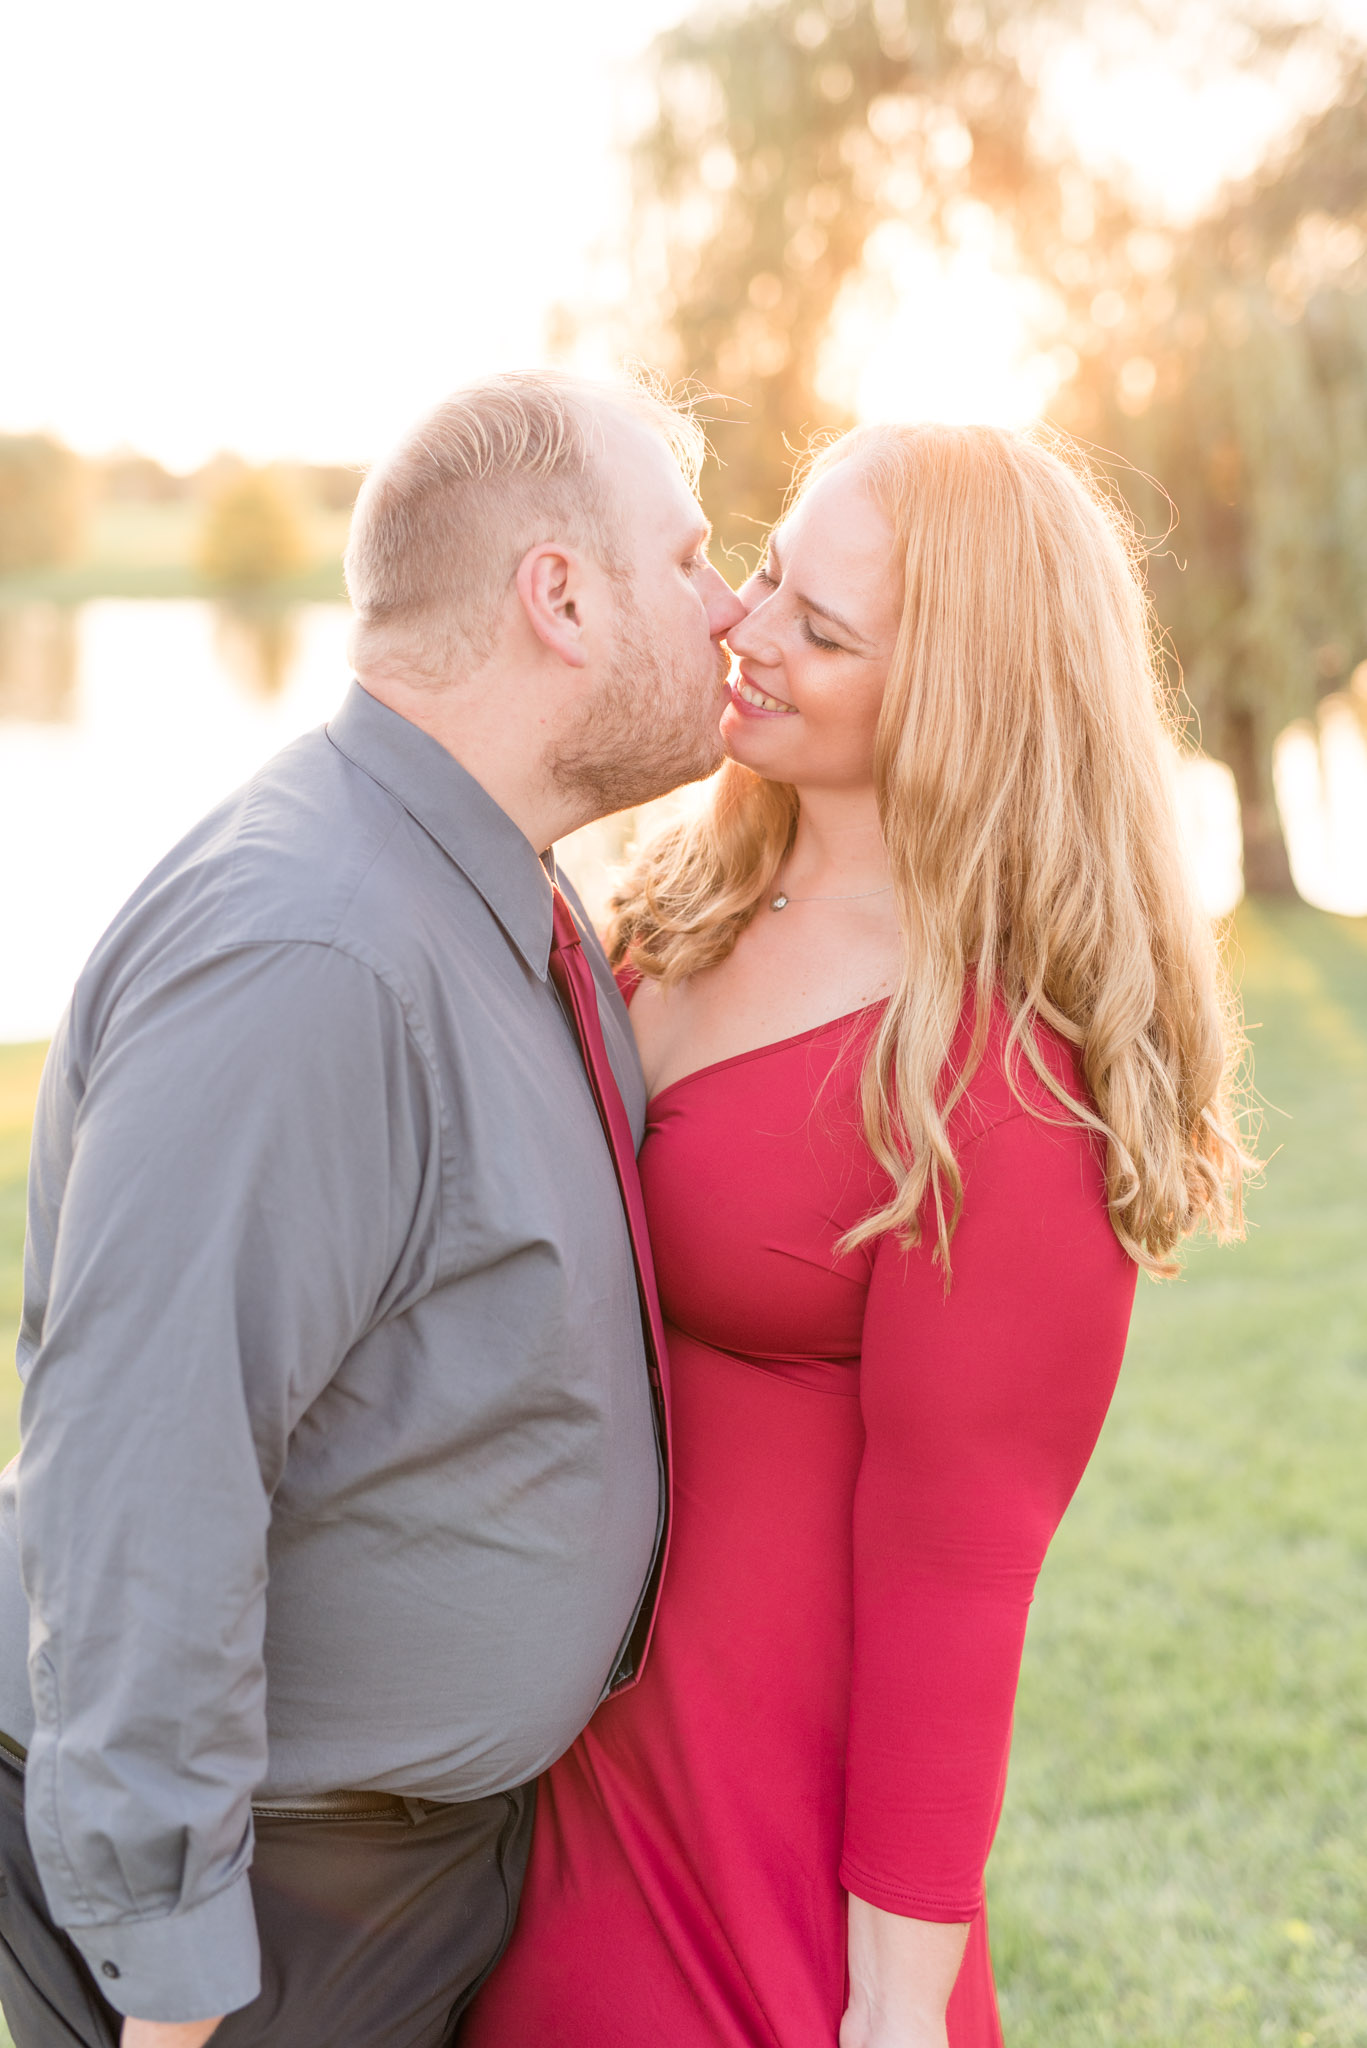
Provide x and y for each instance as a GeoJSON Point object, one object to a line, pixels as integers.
{"type": "Point", "coordinates": [338, 1464]}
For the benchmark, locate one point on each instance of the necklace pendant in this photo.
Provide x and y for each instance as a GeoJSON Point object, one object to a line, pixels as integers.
{"type": "Point", "coordinates": [779, 902]}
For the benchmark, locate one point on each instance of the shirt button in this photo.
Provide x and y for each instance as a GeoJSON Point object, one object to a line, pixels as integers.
{"type": "Point", "coordinates": [109, 1969]}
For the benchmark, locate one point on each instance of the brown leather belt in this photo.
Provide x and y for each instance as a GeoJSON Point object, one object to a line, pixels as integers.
{"type": "Point", "coordinates": [347, 1806]}
{"type": "Point", "coordinates": [308, 1805]}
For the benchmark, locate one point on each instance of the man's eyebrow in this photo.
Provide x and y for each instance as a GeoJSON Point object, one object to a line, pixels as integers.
{"type": "Point", "coordinates": [812, 605]}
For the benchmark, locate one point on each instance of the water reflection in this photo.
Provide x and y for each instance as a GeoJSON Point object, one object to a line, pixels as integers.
{"type": "Point", "coordinates": [257, 640]}
{"type": "Point", "coordinates": [156, 725]}
{"type": "Point", "coordinates": [1208, 813]}
{"type": "Point", "coordinates": [38, 657]}
{"type": "Point", "coordinates": [1321, 773]}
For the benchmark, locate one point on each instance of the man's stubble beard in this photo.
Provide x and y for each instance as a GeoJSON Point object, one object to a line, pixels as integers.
{"type": "Point", "coordinates": [646, 731]}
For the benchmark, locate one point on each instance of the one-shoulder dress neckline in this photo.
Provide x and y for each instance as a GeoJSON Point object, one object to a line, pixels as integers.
{"type": "Point", "coordinates": [772, 1045]}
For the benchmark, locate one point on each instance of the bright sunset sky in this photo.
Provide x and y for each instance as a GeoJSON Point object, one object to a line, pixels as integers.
{"type": "Point", "coordinates": [288, 226]}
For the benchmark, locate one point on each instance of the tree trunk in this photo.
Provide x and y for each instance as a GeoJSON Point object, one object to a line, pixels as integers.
{"type": "Point", "coordinates": [1248, 750]}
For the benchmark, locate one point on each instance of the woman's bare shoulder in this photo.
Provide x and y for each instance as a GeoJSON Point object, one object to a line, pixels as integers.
{"type": "Point", "coordinates": [653, 1020]}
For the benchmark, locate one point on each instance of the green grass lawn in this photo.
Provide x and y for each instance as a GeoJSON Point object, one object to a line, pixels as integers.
{"type": "Point", "coordinates": [1183, 1858]}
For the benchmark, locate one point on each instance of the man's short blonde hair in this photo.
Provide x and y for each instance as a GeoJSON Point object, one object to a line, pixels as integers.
{"type": "Point", "coordinates": [442, 522]}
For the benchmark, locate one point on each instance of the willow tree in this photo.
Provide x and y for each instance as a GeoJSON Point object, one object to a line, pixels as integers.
{"type": "Point", "coordinates": [1225, 360]}
{"type": "Point", "coordinates": [784, 135]}
{"type": "Point", "coordinates": [1237, 379]}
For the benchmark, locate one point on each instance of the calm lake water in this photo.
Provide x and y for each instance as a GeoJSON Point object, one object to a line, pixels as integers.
{"type": "Point", "coordinates": [122, 722]}
{"type": "Point", "coordinates": [120, 725]}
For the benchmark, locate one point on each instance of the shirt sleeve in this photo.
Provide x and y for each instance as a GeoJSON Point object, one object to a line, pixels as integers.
{"type": "Point", "coordinates": [981, 1407]}
{"type": "Point", "coordinates": [253, 1164]}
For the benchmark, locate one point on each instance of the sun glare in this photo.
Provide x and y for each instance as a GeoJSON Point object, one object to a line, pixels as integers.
{"type": "Point", "coordinates": [933, 334]}
{"type": "Point", "coordinates": [1170, 128]}
{"type": "Point", "coordinates": [951, 333]}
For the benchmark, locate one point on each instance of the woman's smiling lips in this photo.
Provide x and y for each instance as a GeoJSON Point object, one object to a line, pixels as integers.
{"type": "Point", "coordinates": [753, 702]}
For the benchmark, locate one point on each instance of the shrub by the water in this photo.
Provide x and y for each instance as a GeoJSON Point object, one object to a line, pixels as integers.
{"type": "Point", "coordinates": [44, 498]}
{"type": "Point", "coordinates": [252, 533]}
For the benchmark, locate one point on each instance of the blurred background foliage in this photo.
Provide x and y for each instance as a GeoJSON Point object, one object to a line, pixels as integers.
{"type": "Point", "coordinates": [1225, 357]}
{"type": "Point", "coordinates": [44, 503]}
{"type": "Point", "coordinates": [252, 532]}
{"type": "Point", "coordinates": [125, 526]}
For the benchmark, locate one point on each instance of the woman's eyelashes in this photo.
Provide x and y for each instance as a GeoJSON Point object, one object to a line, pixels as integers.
{"type": "Point", "coordinates": [831, 646]}
{"type": "Point", "coordinates": [809, 632]}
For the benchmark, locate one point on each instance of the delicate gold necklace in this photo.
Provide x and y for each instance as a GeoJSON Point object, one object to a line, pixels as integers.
{"type": "Point", "coordinates": [781, 902]}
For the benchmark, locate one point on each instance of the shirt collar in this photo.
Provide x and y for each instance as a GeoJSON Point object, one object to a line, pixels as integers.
{"type": "Point", "coordinates": [456, 811]}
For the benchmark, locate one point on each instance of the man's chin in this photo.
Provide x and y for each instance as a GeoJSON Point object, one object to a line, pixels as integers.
{"type": "Point", "coordinates": [614, 784]}
{"type": "Point", "coordinates": [646, 736]}
{"type": "Point", "coordinates": [678, 774]}
{"type": "Point", "coordinates": [692, 758]}
{"type": "Point", "coordinates": [707, 761]}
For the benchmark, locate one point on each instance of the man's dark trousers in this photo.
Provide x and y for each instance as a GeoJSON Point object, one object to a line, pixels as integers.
{"type": "Point", "coordinates": [375, 1933]}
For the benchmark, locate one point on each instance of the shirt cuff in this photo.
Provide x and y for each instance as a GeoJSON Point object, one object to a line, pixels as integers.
{"type": "Point", "coordinates": [192, 1965]}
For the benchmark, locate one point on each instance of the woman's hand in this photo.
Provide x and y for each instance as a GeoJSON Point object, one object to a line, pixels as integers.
{"type": "Point", "coordinates": [901, 1974]}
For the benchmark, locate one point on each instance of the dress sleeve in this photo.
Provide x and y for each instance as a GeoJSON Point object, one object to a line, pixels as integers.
{"type": "Point", "coordinates": [981, 1407]}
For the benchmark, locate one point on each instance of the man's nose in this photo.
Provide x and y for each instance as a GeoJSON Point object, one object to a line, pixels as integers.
{"type": "Point", "coordinates": [724, 609]}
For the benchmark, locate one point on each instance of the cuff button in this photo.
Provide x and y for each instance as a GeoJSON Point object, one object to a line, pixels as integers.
{"type": "Point", "coordinates": [108, 1969]}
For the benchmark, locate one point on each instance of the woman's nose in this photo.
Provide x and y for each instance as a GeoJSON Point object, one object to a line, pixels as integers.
{"type": "Point", "coordinates": [735, 633]}
{"type": "Point", "coordinates": [741, 638]}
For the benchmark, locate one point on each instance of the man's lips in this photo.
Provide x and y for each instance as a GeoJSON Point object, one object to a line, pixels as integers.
{"type": "Point", "coordinates": [753, 702]}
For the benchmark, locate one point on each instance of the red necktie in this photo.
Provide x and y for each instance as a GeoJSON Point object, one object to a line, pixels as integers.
{"type": "Point", "coordinates": [573, 977]}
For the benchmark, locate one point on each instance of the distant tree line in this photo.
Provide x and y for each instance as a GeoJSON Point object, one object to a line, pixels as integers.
{"type": "Point", "coordinates": [1227, 361]}
{"type": "Point", "coordinates": [130, 478]}
{"type": "Point", "coordinates": [251, 522]}
{"type": "Point", "coordinates": [44, 502]}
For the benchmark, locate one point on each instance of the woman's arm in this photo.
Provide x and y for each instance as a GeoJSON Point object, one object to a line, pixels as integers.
{"type": "Point", "coordinates": [901, 1974]}
{"type": "Point", "coordinates": [981, 1406]}
{"type": "Point", "coordinates": [166, 2033]}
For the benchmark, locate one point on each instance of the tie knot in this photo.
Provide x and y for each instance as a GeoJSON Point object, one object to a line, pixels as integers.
{"type": "Point", "coordinates": [563, 924]}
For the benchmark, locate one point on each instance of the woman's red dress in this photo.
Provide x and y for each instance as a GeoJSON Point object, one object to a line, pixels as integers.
{"type": "Point", "coordinates": [867, 1473]}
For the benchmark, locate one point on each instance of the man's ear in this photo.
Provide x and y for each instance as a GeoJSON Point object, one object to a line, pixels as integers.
{"type": "Point", "coordinates": [550, 583]}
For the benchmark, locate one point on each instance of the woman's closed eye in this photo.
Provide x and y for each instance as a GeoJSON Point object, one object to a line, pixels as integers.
{"type": "Point", "coordinates": [767, 578]}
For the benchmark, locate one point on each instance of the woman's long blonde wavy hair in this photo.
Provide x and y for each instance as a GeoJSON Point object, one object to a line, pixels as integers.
{"type": "Point", "coordinates": [1024, 772]}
